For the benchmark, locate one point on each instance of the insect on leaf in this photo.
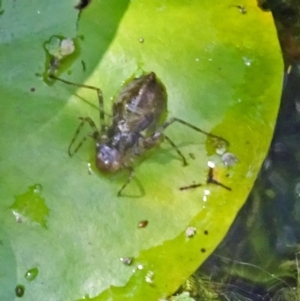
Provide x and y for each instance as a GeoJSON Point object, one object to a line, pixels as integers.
{"type": "Point", "coordinates": [222, 71]}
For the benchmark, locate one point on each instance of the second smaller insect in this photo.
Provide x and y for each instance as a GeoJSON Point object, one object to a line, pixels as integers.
{"type": "Point", "coordinates": [138, 124]}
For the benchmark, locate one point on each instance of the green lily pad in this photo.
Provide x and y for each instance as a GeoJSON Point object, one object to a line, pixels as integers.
{"type": "Point", "coordinates": [222, 71]}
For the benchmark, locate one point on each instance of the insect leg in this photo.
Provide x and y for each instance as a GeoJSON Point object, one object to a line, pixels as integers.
{"type": "Point", "coordinates": [95, 134]}
{"type": "Point", "coordinates": [212, 180]}
{"type": "Point", "coordinates": [99, 93]}
{"type": "Point", "coordinates": [174, 119]}
{"type": "Point", "coordinates": [209, 180]}
{"type": "Point", "coordinates": [190, 186]}
{"type": "Point", "coordinates": [131, 170]}
{"type": "Point", "coordinates": [177, 150]}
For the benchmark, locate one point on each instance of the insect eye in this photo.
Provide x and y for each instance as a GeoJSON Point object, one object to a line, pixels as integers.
{"type": "Point", "coordinates": [108, 159]}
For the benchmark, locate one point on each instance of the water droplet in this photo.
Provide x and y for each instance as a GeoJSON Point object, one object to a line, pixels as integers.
{"type": "Point", "coordinates": [247, 61]}
{"type": "Point", "coordinates": [190, 231]}
{"type": "Point", "coordinates": [249, 174]}
{"type": "Point", "coordinates": [206, 194]}
{"type": "Point", "coordinates": [149, 277]}
{"type": "Point", "coordinates": [90, 172]}
{"type": "Point", "coordinates": [19, 290]}
{"type": "Point", "coordinates": [211, 164]}
{"type": "Point", "coordinates": [31, 274]}
{"type": "Point", "coordinates": [126, 260]}
{"type": "Point", "coordinates": [221, 149]}
{"type": "Point", "coordinates": [140, 266]}
{"type": "Point", "coordinates": [229, 159]}
{"type": "Point", "coordinates": [197, 59]}
{"type": "Point", "coordinates": [37, 188]}
{"type": "Point", "coordinates": [138, 72]}
{"type": "Point", "coordinates": [67, 47]}
{"type": "Point", "coordinates": [57, 49]}
{"type": "Point", "coordinates": [30, 206]}
{"type": "Point", "coordinates": [141, 40]}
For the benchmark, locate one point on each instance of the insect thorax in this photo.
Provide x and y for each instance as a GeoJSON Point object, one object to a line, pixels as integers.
{"type": "Point", "coordinates": [141, 104]}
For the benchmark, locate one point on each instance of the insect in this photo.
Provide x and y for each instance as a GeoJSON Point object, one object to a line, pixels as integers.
{"type": "Point", "coordinates": [241, 8]}
{"type": "Point", "coordinates": [138, 124]}
{"type": "Point", "coordinates": [209, 180]}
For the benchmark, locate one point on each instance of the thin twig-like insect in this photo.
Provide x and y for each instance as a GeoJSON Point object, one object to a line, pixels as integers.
{"type": "Point", "coordinates": [137, 125]}
{"type": "Point", "coordinates": [209, 180]}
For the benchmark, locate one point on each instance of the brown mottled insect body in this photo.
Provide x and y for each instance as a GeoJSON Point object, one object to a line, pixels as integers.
{"type": "Point", "coordinates": [141, 105]}
{"type": "Point", "coordinates": [138, 124]}
{"type": "Point", "coordinates": [137, 112]}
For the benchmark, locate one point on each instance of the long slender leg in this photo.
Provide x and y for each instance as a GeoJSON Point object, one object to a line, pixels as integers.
{"type": "Point", "coordinates": [131, 175]}
{"type": "Point", "coordinates": [210, 179]}
{"type": "Point", "coordinates": [174, 119]}
{"type": "Point", "coordinates": [150, 141]}
{"type": "Point", "coordinates": [100, 97]}
{"type": "Point", "coordinates": [95, 134]}
{"type": "Point", "coordinates": [177, 150]}
{"type": "Point", "coordinates": [190, 186]}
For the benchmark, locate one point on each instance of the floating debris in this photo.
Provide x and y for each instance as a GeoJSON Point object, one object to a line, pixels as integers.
{"type": "Point", "coordinates": [126, 260]}
{"type": "Point", "coordinates": [149, 277]}
{"type": "Point", "coordinates": [229, 159]}
{"type": "Point", "coordinates": [90, 172]}
{"type": "Point", "coordinates": [190, 231]}
{"type": "Point", "coordinates": [140, 266]}
{"type": "Point", "coordinates": [143, 224]}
